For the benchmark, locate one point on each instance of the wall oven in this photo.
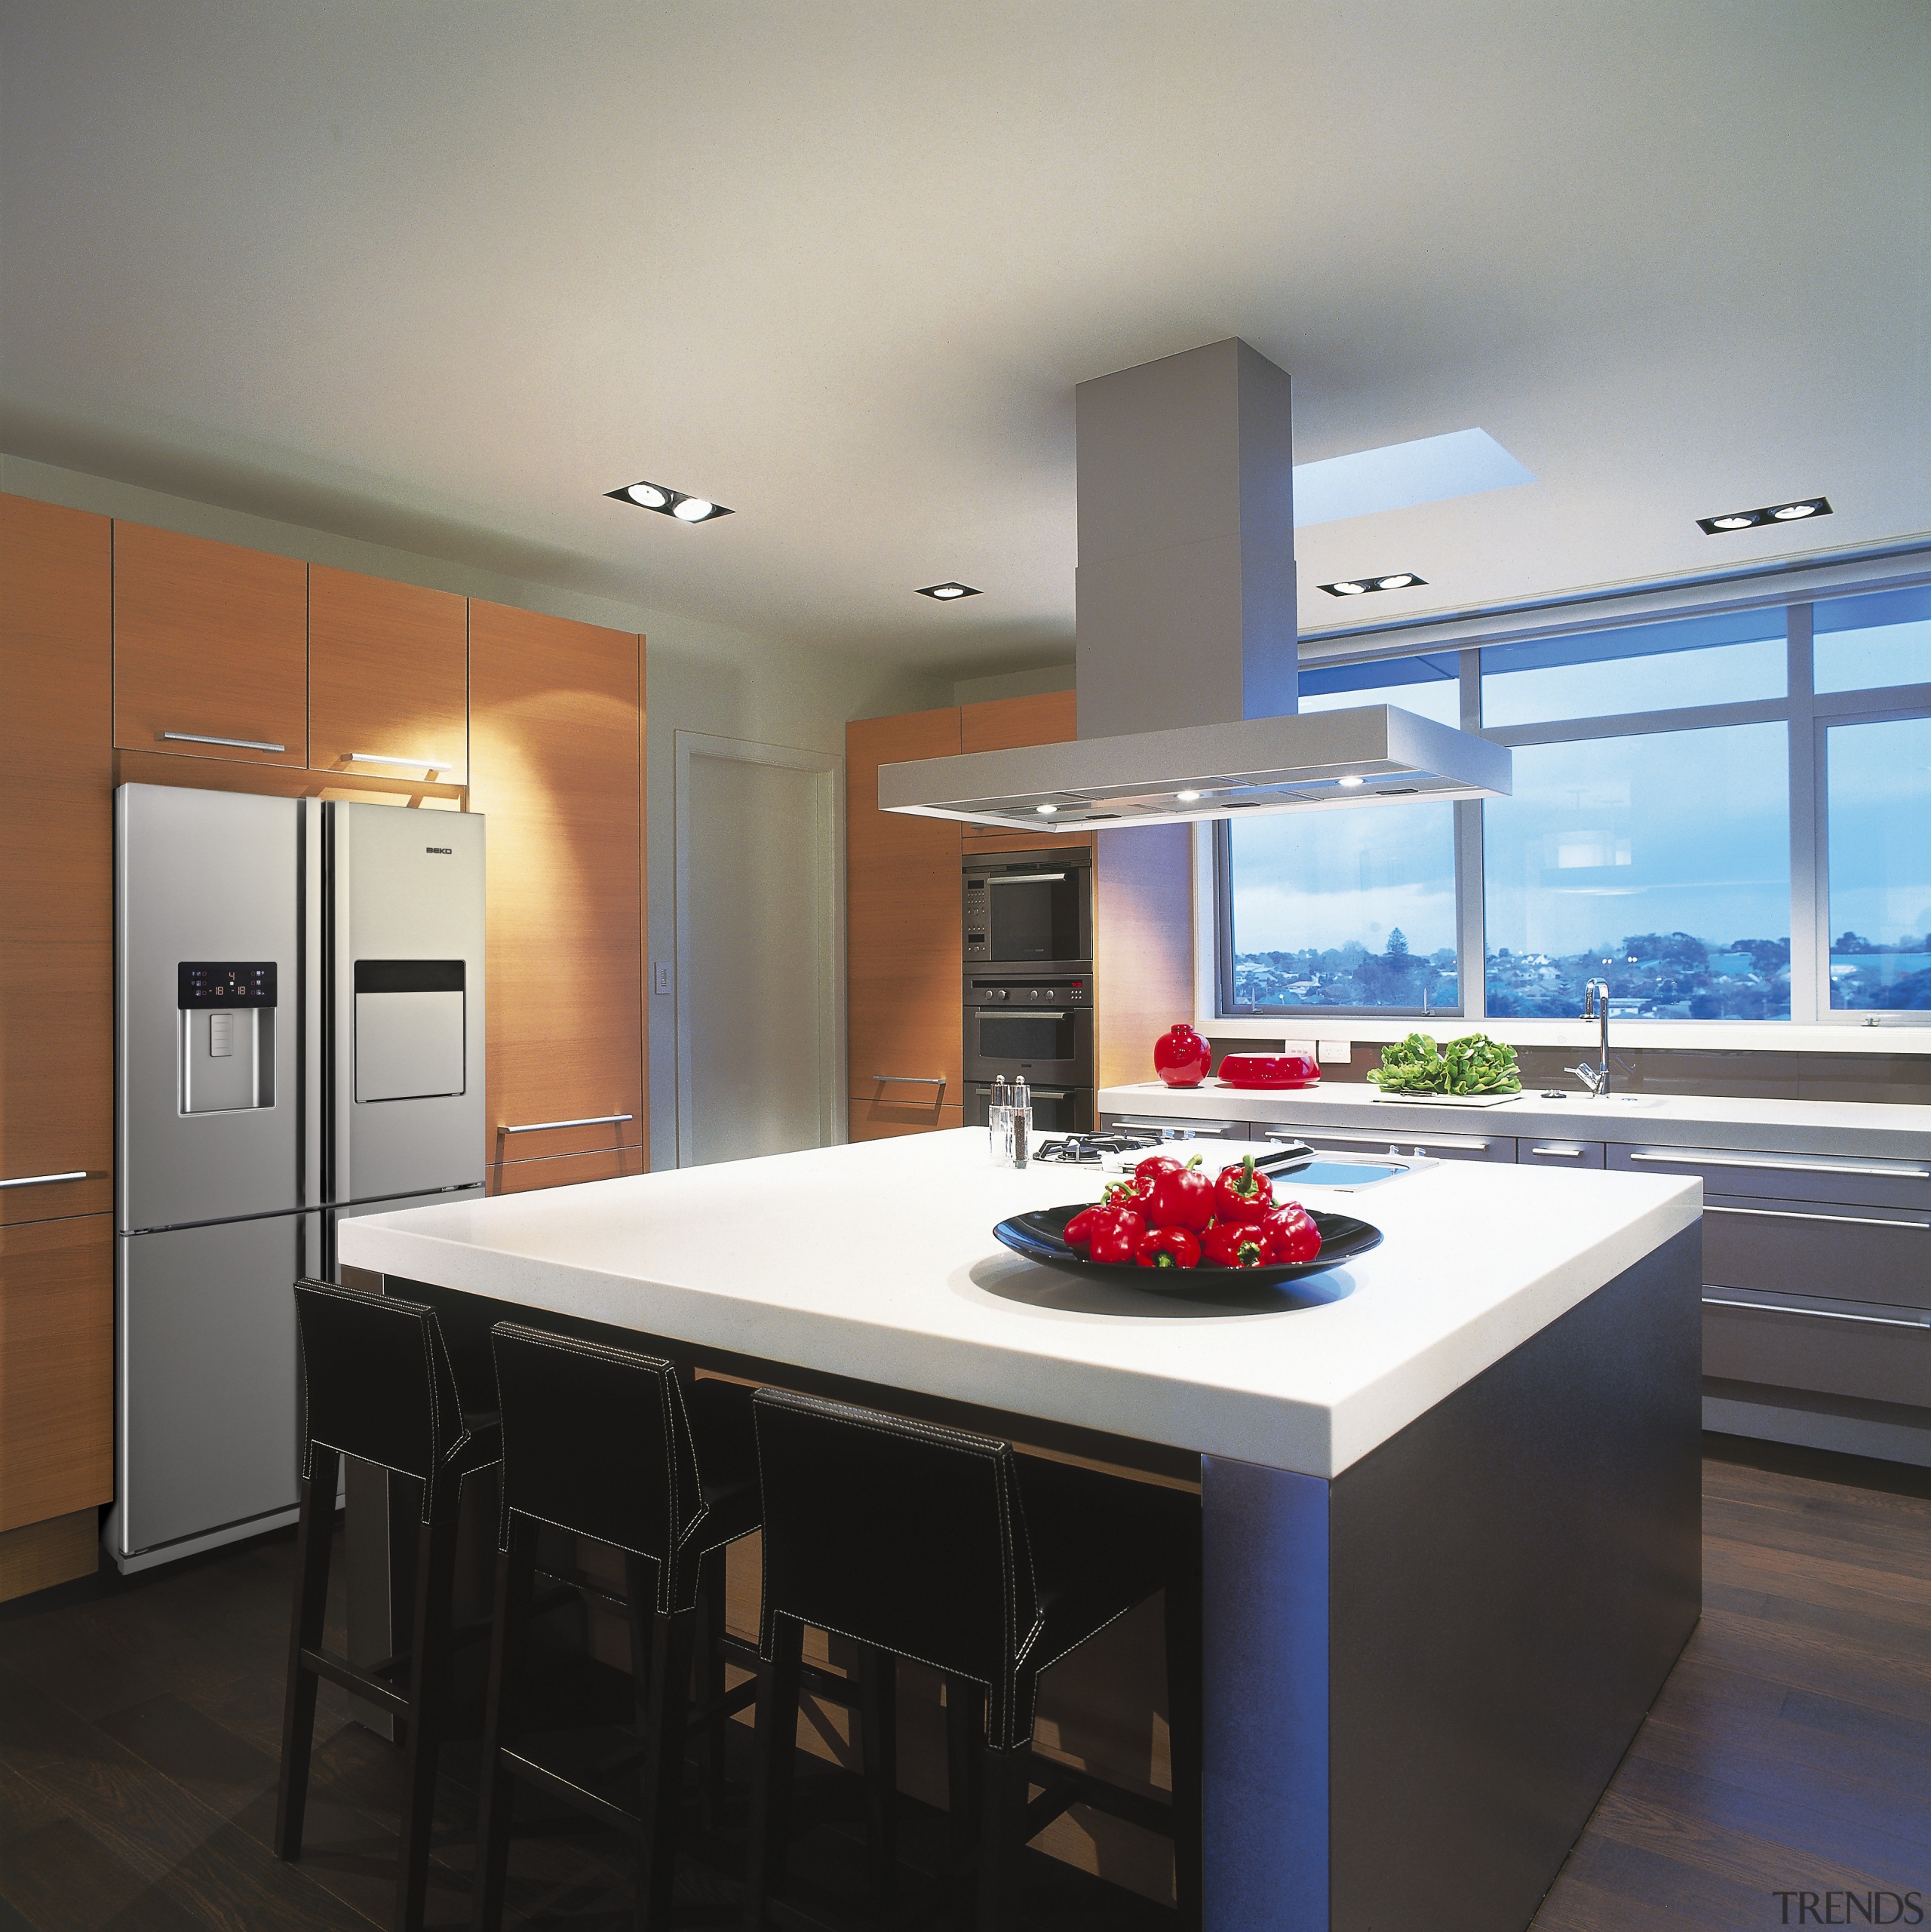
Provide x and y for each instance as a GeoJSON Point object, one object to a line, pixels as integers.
{"type": "Point", "coordinates": [1039, 1026]}
{"type": "Point", "coordinates": [1029, 909]}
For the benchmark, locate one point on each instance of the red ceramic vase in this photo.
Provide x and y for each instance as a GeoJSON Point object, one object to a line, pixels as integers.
{"type": "Point", "coordinates": [1181, 1056]}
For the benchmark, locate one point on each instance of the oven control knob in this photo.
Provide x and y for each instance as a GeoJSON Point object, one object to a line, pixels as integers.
{"type": "Point", "coordinates": [1032, 992]}
{"type": "Point", "coordinates": [998, 992]}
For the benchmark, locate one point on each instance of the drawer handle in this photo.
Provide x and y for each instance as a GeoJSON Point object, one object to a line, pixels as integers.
{"type": "Point", "coordinates": [1781, 1166]}
{"type": "Point", "coordinates": [911, 1080]}
{"type": "Point", "coordinates": [1560, 1153]}
{"type": "Point", "coordinates": [1837, 1221]}
{"type": "Point", "coordinates": [589, 1120]}
{"type": "Point", "coordinates": [384, 758]}
{"type": "Point", "coordinates": [240, 744]}
{"type": "Point", "coordinates": [1387, 1141]}
{"type": "Point", "coordinates": [1204, 1130]}
{"type": "Point", "coordinates": [1822, 1314]}
{"type": "Point", "coordinates": [42, 1180]}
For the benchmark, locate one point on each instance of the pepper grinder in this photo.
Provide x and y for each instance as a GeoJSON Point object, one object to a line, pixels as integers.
{"type": "Point", "coordinates": [1022, 1122]}
{"type": "Point", "coordinates": [999, 1123]}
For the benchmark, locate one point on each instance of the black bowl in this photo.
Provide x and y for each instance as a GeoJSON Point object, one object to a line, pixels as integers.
{"type": "Point", "coordinates": [1040, 1236]}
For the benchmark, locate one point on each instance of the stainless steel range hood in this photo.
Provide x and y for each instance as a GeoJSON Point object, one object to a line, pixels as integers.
{"type": "Point", "coordinates": [1187, 662]}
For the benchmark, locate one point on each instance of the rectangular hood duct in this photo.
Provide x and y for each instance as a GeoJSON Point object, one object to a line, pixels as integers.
{"type": "Point", "coordinates": [1187, 663]}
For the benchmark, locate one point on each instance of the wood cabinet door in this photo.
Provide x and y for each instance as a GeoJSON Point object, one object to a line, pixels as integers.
{"type": "Point", "coordinates": [210, 642]}
{"type": "Point", "coordinates": [388, 678]}
{"type": "Point", "coordinates": [1004, 724]}
{"type": "Point", "coordinates": [57, 861]}
{"type": "Point", "coordinates": [57, 1368]}
{"type": "Point", "coordinates": [902, 931]}
{"type": "Point", "coordinates": [556, 766]}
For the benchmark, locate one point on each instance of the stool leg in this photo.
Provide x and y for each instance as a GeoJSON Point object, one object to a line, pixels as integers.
{"type": "Point", "coordinates": [1002, 1826]}
{"type": "Point", "coordinates": [1184, 1743]}
{"type": "Point", "coordinates": [710, 1681]}
{"type": "Point", "coordinates": [305, 1633]}
{"type": "Point", "coordinates": [667, 1642]}
{"type": "Point", "coordinates": [429, 1693]}
{"type": "Point", "coordinates": [508, 1641]}
{"type": "Point", "coordinates": [964, 1727]}
{"type": "Point", "coordinates": [878, 1725]}
{"type": "Point", "coordinates": [773, 1749]}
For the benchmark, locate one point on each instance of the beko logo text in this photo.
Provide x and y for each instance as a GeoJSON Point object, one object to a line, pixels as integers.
{"type": "Point", "coordinates": [447, 851]}
{"type": "Point", "coordinates": [1851, 1907]}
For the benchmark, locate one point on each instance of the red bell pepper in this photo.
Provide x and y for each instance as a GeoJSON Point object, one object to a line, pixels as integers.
{"type": "Point", "coordinates": [1117, 1242]}
{"type": "Point", "coordinates": [1292, 1235]}
{"type": "Point", "coordinates": [1168, 1247]}
{"type": "Point", "coordinates": [1242, 1195]}
{"type": "Point", "coordinates": [1235, 1244]}
{"type": "Point", "coordinates": [1081, 1227]}
{"type": "Point", "coordinates": [1184, 1199]}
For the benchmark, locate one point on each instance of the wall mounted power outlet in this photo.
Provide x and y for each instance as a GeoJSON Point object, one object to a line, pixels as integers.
{"type": "Point", "coordinates": [1337, 1051]}
{"type": "Point", "coordinates": [660, 976]}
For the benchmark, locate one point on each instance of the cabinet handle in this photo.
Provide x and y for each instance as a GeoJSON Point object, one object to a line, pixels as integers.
{"type": "Point", "coordinates": [1387, 1141]}
{"type": "Point", "coordinates": [1199, 1130]}
{"type": "Point", "coordinates": [910, 1080]}
{"type": "Point", "coordinates": [240, 744]}
{"type": "Point", "coordinates": [41, 1180]}
{"type": "Point", "coordinates": [1822, 1314]}
{"type": "Point", "coordinates": [589, 1120]}
{"type": "Point", "coordinates": [1560, 1153]}
{"type": "Point", "coordinates": [383, 758]}
{"type": "Point", "coordinates": [1841, 1220]}
{"type": "Point", "coordinates": [1693, 1160]}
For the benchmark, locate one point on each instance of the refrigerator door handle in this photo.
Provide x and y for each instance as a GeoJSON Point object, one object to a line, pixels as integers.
{"type": "Point", "coordinates": [317, 1174]}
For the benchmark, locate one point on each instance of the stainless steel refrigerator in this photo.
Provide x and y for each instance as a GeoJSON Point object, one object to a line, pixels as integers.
{"type": "Point", "coordinates": [299, 1036]}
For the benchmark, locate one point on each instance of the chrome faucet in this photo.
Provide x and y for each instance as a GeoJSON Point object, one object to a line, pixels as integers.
{"type": "Point", "coordinates": [1595, 1006]}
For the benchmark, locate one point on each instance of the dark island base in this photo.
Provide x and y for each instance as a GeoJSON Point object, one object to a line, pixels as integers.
{"type": "Point", "coordinates": [1419, 1676]}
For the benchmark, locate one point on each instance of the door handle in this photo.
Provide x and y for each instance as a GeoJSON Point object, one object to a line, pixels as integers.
{"type": "Point", "coordinates": [589, 1120]}
{"type": "Point", "coordinates": [1692, 1158]}
{"type": "Point", "coordinates": [1561, 1154]}
{"type": "Point", "coordinates": [1007, 1013]}
{"type": "Point", "coordinates": [384, 758]}
{"type": "Point", "coordinates": [43, 1179]}
{"type": "Point", "coordinates": [1822, 1314]}
{"type": "Point", "coordinates": [1839, 1220]}
{"type": "Point", "coordinates": [240, 744]}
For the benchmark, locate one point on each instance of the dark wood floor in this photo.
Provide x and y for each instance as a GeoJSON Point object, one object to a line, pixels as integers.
{"type": "Point", "coordinates": [1790, 1750]}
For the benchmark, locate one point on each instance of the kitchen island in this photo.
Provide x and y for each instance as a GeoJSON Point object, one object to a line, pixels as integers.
{"type": "Point", "coordinates": [1449, 1492]}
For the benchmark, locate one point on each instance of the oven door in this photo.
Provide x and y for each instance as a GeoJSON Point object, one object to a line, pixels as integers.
{"type": "Point", "coordinates": [1051, 1046]}
{"type": "Point", "coordinates": [1023, 915]}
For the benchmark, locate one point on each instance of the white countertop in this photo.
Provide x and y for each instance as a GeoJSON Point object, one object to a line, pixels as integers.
{"type": "Point", "coordinates": [1869, 1130]}
{"type": "Point", "coordinates": [877, 1261]}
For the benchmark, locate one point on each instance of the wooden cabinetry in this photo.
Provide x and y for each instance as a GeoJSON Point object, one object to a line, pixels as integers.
{"type": "Point", "coordinates": [902, 937]}
{"type": "Point", "coordinates": [389, 675]}
{"type": "Point", "coordinates": [1004, 724]}
{"type": "Point", "coordinates": [57, 1368]}
{"type": "Point", "coordinates": [210, 642]}
{"type": "Point", "coordinates": [56, 898]}
{"type": "Point", "coordinates": [556, 765]}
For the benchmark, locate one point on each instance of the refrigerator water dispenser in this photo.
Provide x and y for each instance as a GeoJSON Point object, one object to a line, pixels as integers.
{"type": "Point", "coordinates": [227, 1034]}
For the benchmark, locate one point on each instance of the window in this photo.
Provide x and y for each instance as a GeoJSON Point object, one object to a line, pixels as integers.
{"type": "Point", "coordinates": [1650, 841]}
{"type": "Point", "coordinates": [1880, 808]}
{"type": "Point", "coordinates": [1352, 909]}
{"type": "Point", "coordinates": [1660, 864]}
{"type": "Point", "coordinates": [1648, 667]}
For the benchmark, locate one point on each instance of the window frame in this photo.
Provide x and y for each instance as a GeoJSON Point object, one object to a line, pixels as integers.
{"type": "Point", "coordinates": [1807, 715]}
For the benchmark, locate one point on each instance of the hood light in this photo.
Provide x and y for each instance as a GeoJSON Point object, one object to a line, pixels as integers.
{"type": "Point", "coordinates": [1188, 797]}
{"type": "Point", "coordinates": [1045, 811]}
{"type": "Point", "coordinates": [1792, 512]}
{"type": "Point", "coordinates": [1350, 781]}
{"type": "Point", "coordinates": [1395, 580]}
{"type": "Point", "coordinates": [947, 593]}
{"type": "Point", "coordinates": [669, 502]}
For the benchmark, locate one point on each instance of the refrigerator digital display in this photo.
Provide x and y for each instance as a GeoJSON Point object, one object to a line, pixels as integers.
{"type": "Point", "coordinates": [200, 983]}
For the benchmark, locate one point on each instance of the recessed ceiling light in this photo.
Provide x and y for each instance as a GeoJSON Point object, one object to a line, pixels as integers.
{"type": "Point", "coordinates": [946, 593]}
{"type": "Point", "coordinates": [1350, 781]}
{"type": "Point", "coordinates": [1045, 811]}
{"type": "Point", "coordinates": [669, 502]}
{"type": "Point", "coordinates": [1791, 512]}
{"type": "Point", "coordinates": [1187, 797]}
{"type": "Point", "coordinates": [1397, 580]}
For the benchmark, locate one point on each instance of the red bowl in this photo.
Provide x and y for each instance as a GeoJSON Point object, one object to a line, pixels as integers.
{"type": "Point", "coordinates": [1270, 1070]}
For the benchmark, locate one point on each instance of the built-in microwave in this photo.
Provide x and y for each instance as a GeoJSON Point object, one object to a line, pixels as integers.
{"type": "Point", "coordinates": [1040, 1026]}
{"type": "Point", "coordinates": [1029, 908]}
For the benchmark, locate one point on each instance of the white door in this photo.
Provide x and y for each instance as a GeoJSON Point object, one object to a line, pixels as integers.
{"type": "Point", "coordinates": [759, 1004]}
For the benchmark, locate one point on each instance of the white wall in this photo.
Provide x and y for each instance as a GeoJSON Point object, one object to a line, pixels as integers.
{"type": "Point", "coordinates": [698, 677]}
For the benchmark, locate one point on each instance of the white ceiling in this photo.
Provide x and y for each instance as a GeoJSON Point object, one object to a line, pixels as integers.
{"type": "Point", "coordinates": [440, 276]}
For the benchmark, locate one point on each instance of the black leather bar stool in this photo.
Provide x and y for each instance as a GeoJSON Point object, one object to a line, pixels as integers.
{"type": "Point", "coordinates": [609, 1444]}
{"type": "Point", "coordinates": [379, 1385]}
{"type": "Point", "coordinates": [949, 1549]}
